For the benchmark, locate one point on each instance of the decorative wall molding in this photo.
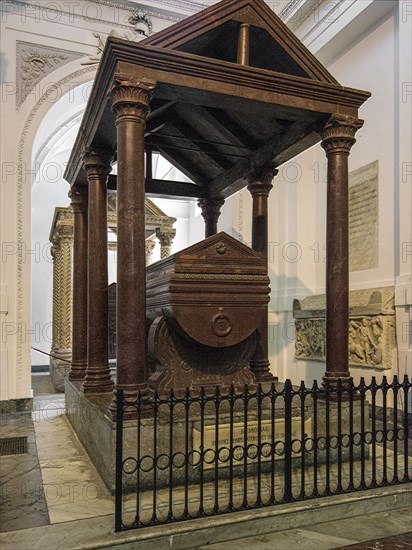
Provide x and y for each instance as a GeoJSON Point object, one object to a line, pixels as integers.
{"type": "Point", "coordinates": [23, 155]}
{"type": "Point", "coordinates": [34, 62]}
{"type": "Point", "coordinates": [326, 19]}
{"type": "Point", "coordinates": [296, 12]}
{"type": "Point", "coordinates": [73, 15]}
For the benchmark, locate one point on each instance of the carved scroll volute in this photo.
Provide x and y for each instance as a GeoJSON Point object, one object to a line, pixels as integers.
{"type": "Point", "coordinates": [338, 134]}
{"type": "Point", "coordinates": [131, 96]}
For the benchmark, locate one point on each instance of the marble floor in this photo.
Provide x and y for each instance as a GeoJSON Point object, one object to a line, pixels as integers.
{"type": "Point", "coordinates": [345, 533]}
{"type": "Point", "coordinates": [56, 483]}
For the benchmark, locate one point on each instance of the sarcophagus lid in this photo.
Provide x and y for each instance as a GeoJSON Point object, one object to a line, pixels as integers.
{"type": "Point", "coordinates": [214, 292]}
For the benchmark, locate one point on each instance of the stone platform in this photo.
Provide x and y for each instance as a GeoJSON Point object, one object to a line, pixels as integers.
{"type": "Point", "coordinates": [97, 433]}
{"type": "Point", "coordinates": [58, 373]}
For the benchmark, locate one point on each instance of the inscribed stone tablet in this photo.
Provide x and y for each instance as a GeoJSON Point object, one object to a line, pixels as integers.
{"type": "Point", "coordinates": [364, 218]}
{"type": "Point", "coordinates": [264, 436]}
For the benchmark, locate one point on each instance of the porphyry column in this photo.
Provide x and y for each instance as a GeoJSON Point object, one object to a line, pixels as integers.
{"type": "Point", "coordinates": [260, 185]}
{"type": "Point", "coordinates": [210, 207]}
{"type": "Point", "coordinates": [97, 167]}
{"type": "Point", "coordinates": [78, 196]}
{"type": "Point", "coordinates": [131, 98]}
{"type": "Point", "coordinates": [338, 136]}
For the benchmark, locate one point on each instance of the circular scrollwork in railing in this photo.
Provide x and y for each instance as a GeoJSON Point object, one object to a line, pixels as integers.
{"type": "Point", "coordinates": [129, 465]}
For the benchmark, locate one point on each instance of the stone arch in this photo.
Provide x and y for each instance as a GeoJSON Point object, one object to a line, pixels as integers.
{"type": "Point", "coordinates": [70, 75]}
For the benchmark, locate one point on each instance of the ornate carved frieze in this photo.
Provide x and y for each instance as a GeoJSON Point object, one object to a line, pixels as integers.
{"type": "Point", "coordinates": [154, 217]}
{"type": "Point", "coordinates": [34, 62]}
{"type": "Point", "coordinates": [372, 338]}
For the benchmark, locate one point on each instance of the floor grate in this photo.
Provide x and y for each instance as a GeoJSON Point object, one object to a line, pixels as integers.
{"type": "Point", "coordinates": [13, 446]}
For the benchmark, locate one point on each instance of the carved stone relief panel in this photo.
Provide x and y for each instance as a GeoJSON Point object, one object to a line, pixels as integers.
{"type": "Point", "coordinates": [34, 62]}
{"type": "Point", "coordinates": [372, 338]}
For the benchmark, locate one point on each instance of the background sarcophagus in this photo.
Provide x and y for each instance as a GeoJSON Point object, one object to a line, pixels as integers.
{"type": "Point", "coordinates": [204, 305]}
{"type": "Point", "coordinates": [372, 337]}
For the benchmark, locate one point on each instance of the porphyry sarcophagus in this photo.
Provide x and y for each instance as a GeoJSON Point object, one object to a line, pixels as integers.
{"type": "Point", "coordinates": [207, 302]}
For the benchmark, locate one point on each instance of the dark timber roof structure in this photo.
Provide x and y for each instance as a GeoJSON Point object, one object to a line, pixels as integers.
{"type": "Point", "coordinates": [226, 101]}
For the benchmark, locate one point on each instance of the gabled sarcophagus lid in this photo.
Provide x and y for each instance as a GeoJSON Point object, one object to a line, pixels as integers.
{"type": "Point", "coordinates": [214, 292]}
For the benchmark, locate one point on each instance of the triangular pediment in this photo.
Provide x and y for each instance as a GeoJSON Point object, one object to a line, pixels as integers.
{"type": "Point", "coordinates": [214, 33]}
{"type": "Point", "coordinates": [220, 245]}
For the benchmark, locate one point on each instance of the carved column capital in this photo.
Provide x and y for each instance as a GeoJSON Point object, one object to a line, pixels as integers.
{"type": "Point", "coordinates": [210, 207]}
{"type": "Point", "coordinates": [338, 134]}
{"type": "Point", "coordinates": [64, 232]}
{"type": "Point", "coordinates": [78, 199]}
{"type": "Point", "coordinates": [165, 236]}
{"type": "Point", "coordinates": [260, 179]}
{"type": "Point", "coordinates": [131, 97]}
{"type": "Point", "coordinates": [97, 162]}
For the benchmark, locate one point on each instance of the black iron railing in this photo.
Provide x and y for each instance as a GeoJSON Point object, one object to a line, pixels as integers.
{"type": "Point", "coordinates": [188, 456]}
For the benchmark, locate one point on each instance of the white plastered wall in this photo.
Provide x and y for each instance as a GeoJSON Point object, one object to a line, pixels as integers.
{"type": "Point", "coordinates": [378, 61]}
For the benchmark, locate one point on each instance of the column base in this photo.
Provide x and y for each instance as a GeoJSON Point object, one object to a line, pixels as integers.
{"type": "Point", "coordinates": [132, 401]}
{"type": "Point", "coordinates": [331, 379]}
{"type": "Point", "coordinates": [77, 371]}
{"type": "Point", "coordinates": [339, 386]}
{"type": "Point", "coordinates": [97, 382]}
{"type": "Point", "coordinates": [260, 369]}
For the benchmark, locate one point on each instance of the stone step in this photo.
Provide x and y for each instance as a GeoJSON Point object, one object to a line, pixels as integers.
{"type": "Point", "coordinates": [95, 533]}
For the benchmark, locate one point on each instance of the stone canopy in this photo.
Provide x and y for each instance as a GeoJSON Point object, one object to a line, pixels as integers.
{"type": "Point", "coordinates": [226, 96]}
{"type": "Point", "coordinates": [235, 89]}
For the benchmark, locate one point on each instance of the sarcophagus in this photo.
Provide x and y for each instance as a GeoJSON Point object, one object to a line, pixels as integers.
{"type": "Point", "coordinates": [204, 305]}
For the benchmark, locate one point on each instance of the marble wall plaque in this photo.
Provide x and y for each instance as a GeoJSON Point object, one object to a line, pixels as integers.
{"type": "Point", "coordinates": [364, 218]}
{"type": "Point", "coordinates": [223, 443]}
